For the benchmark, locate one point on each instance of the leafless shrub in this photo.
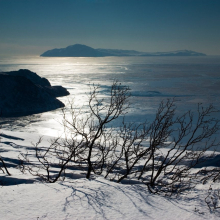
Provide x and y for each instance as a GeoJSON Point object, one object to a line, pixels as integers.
{"type": "Point", "coordinates": [213, 199]}
{"type": "Point", "coordinates": [3, 166]}
{"type": "Point", "coordinates": [52, 162]}
{"type": "Point", "coordinates": [175, 145]}
{"type": "Point", "coordinates": [160, 154]}
{"type": "Point", "coordinates": [88, 140]}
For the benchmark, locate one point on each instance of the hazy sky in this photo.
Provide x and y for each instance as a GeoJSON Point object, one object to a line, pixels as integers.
{"type": "Point", "coordinates": [33, 26]}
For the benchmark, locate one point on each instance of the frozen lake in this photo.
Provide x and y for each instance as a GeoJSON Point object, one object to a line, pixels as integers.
{"type": "Point", "coordinates": [191, 80]}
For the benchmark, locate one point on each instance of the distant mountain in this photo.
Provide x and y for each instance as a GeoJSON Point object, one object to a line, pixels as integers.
{"type": "Point", "coordinates": [175, 53]}
{"type": "Point", "coordinates": [119, 53]}
{"type": "Point", "coordinates": [79, 50]}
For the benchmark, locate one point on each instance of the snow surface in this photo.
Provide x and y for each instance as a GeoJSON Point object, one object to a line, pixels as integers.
{"type": "Point", "coordinates": [25, 197]}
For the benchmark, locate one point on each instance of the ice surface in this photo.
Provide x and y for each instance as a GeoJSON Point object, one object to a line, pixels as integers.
{"type": "Point", "coordinates": [151, 79]}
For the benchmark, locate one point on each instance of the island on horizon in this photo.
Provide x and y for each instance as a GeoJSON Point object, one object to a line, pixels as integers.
{"type": "Point", "coordinates": [80, 50]}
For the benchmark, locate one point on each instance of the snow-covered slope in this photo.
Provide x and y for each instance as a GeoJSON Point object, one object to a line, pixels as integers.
{"type": "Point", "coordinates": [94, 199]}
{"type": "Point", "coordinates": [24, 197]}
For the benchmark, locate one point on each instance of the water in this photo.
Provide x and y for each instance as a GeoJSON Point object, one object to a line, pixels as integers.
{"type": "Point", "coordinates": [191, 80]}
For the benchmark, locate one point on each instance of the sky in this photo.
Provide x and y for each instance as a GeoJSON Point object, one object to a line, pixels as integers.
{"type": "Point", "coordinates": [30, 27]}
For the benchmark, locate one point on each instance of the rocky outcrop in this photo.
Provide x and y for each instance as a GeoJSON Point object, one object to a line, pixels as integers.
{"type": "Point", "coordinates": [55, 91]}
{"type": "Point", "coordinates": [24, 92]}
{"type": "Point", "coordinates": [33, 77]}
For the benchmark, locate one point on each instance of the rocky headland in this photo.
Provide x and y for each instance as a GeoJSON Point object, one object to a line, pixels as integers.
{"type": "Point", "coordinates": [24, 93]}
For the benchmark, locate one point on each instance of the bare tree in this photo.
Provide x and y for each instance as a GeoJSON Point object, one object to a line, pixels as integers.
{"type": "Point", "coordinates": [160, 153]}
{"type": "Point", "coordinates": [88, 139]}
{"type": "Point", "coordinates": [92, 128]}
{"type": "Point", "coordinates": [175, 145]}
